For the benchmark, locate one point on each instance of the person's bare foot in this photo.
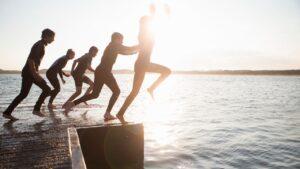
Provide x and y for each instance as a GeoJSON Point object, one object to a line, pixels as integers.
{"type": "Point", "coordinates": [150, 91]}
{"type": "Point", "coordinates": [121, 119]}
{"type": "Point", "coordinates": [51, 106]}
{"type": "Point", "coordinates": [38, 113]}
{"type": "Point", "coordinates": [108, 117]}
{"type": "Point", "coordinates": [69, 106]}
{"type": "Point", "coordinates": [10, 117]}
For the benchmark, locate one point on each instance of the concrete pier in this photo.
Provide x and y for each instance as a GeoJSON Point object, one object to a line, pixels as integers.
{"type": "Point", "coordinates": [35, 142]}
{"type": "Point", "coordinates": [108, 146]}
{"type": "Point", "coordinates": [44, 143]}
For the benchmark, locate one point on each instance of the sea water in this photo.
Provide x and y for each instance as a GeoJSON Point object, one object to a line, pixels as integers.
{"type": "Point", "coordinates": [195, 121]}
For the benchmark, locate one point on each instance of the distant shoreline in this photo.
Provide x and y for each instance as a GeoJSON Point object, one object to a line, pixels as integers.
{"type": "Point", "coordinates": [210, 72]}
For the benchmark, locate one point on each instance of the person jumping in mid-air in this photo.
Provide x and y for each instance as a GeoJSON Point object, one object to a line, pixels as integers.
{"type": "Point", "coordinates": [103, 74]}
{"type": "Point", "coordinates": [56, 68]}
{"type": "Point", "coordinates": [30, 75]}
{"type": "Point", "coordinates": [143, 64]}
{"type": "Point", "coordinates": [78, 73]}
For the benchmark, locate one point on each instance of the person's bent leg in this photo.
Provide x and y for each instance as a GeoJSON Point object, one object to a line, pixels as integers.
{"type": "Point", "coordinates": [76, 94]}
{"type": "Point", "coordinates": [95, 93]}
{"type": "Point", "coordinates": [113, 85]}
{"type": "Point", "coordinates": [88, 81]}
{"type": "Point", "coordinates": [25, 88]}
{"type": "Point", "coordinates": [55, 83]}
{"type": "Point", "coordinates": [78, 86]}
{"type": "Point", "coordinates": [137, 83]}
{"type": "Point", "coordinates": [164, 73]}
{"type": "Point", "coordinates": [46, 92]}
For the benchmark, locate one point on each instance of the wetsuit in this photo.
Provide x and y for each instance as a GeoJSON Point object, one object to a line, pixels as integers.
{"type": "Point", "coordinates": [103, 74]}
{"type": "Point", "coordinates": [78, 74]}
{"type": "Point", "coordinates": [56, 68]}
{"type": "Point", "coordinates": [36, 54]}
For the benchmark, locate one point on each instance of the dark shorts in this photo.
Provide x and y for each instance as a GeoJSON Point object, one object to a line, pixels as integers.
{"type": "Point", "coordinates": [81, 79]}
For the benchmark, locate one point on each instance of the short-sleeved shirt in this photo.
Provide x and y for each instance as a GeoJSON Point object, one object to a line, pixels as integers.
{"type": "Point", "coordinates": [37, 53]}
{"type": "Point", "coordinates": [110, 55]}
{"type": "Point", "coordinates": [58, 65]}
{"type": "Point", "coordinates": [83, 63]}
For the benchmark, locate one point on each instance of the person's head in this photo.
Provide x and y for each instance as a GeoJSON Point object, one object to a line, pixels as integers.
{"type": "Point", "coordinates": [70, 54]}
{"type": "Point", "coordinates": [93, 51]}
{"type": "Point", "coordinates": [152, 9]}
{"type": "Point", "coordinates": [117, 37]}
{"type": "Point", "coordinates": [48, 35]}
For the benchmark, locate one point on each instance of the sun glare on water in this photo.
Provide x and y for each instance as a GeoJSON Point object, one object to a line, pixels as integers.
{"type": "Point", "coordinates": [159, 115]}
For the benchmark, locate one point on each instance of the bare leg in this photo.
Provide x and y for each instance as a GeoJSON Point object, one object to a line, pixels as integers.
{"type": "Point", "coordinates": [25, 88]}
{"type": "Point", "coordinates": [113, 86]}
{"type": "Point", "coordinates": [91, 86]}
{"type": "Point", "coordinates": [76, 94]}
{"type": "Point", "coordinates": [55, 83]}
{"type": "Point", "coordinates": [97, 86]}
{"type": "Point", "coordinates": [137, 83]}
{"type": "Point", "coordinates": [46, 92]}
{"type": "Point", "coordinates": [164, 73]}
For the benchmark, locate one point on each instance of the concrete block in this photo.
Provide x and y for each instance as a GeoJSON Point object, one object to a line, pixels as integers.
{"type": "Point", "coordinates": [112, 146]}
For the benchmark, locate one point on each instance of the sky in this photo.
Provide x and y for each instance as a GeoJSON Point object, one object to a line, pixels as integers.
{"type": "Point", "coordinates": [197, 35]}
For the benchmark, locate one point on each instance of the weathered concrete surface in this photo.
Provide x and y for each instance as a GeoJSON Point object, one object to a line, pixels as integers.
{"type": "Point", "coordinates": [76, 154]}
{"type": "Point", "coordinates": [36, 142]}
{"type": "Point", "coordinates": [113, 146]}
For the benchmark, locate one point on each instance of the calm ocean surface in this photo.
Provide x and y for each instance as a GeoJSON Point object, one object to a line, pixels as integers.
{"type": "Point", "coordinates": [197, 121]}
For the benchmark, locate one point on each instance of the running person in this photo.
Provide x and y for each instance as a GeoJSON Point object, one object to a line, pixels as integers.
{"type": "Point", "coordinates": [31, 75]}
{"type": "Point", "coordinates": [83, 63]}
{"type": "Point", "coordinates": [56, 68]}
{"type": "Point", "coordinates": [143, 64]}
{"type": "Point", "coordinates": [103, 74]}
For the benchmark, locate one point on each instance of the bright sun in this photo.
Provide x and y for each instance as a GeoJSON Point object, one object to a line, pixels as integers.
{"type": "Point", "coordinates": [163, 28]}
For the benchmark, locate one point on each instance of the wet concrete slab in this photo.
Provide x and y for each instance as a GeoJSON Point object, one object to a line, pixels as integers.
{"type": "Point", "coordinates": [34, 142]}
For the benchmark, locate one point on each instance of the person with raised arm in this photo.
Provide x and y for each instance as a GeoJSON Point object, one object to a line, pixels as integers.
{"type": "Point", "coordinates": [143, 64]}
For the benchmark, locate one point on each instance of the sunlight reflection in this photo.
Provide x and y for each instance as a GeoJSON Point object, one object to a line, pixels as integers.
{"type": "Point", "coordinates": [158, 119]}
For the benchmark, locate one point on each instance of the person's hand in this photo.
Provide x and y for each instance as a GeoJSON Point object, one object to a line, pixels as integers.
{"type": "Point", "coordinates": [67, 74]}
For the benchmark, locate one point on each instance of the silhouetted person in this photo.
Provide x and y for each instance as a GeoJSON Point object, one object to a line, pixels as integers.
{"type": "Point", "coordinates": [83, 63]}
{"type": "Point", "coordinates": [56, 68]}
{"type": "Point", "coordinates": [103, 74]}
{"type": "Point", "coordinates": [31, 75]}
{"type": "Point", "coordinates": [143, 64]}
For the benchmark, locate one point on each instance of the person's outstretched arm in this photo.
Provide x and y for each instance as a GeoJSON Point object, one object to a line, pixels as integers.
{"type": "Point", "coordinates": [126, 50]}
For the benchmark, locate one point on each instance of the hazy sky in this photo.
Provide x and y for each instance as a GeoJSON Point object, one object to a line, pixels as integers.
{"type": "Point", "coordinates": [199, 35]}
